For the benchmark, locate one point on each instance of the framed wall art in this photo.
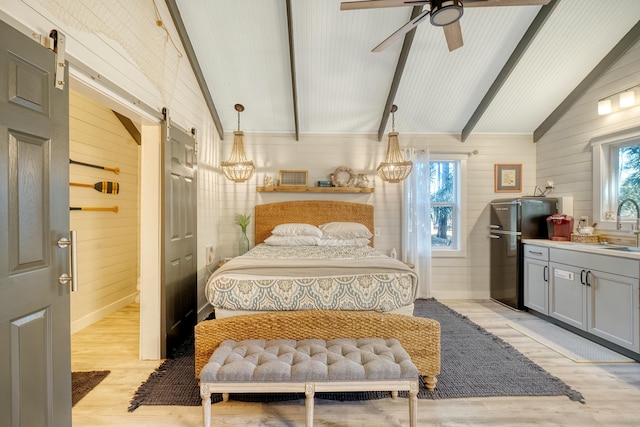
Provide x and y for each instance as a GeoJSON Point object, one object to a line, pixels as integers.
{"type": "Point", "coordinates": [508, 178]}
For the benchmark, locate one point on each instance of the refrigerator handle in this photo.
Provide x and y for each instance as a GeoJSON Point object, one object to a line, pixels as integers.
{"type": "Point", "coordinates": [494, 236]}
{"type": "Point", "coordinates": [494, 227]}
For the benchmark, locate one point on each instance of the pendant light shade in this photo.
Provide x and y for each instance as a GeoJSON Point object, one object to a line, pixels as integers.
{"type": "Point", "coordinates": [237, 168]}
{"type": "Point", "coordinates": [394, 168]}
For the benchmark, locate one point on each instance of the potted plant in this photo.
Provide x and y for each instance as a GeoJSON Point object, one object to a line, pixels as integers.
{"type": "Point", "coordinates": [243, 221]}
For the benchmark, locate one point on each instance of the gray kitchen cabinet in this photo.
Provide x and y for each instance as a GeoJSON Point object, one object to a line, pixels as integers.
{"type": "Point", "coordinates": [596, 293]}
{"type": "Point", "coordinates": [536, 278]}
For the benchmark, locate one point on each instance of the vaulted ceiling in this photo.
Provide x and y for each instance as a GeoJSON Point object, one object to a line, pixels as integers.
{"type": "Point", "coordinates": [518, 64]}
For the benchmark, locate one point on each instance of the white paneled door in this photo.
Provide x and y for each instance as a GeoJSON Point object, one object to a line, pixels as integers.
{"type": "Point", "coordinates": [35, 361]}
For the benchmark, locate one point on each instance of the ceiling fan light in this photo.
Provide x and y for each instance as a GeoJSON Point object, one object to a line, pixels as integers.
{"type": "Point", "coordinates": [445, 12]}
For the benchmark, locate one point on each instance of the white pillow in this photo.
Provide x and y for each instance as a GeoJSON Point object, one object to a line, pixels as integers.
{"type": "Point", "coordinates": [344, 230]}
{"type": "Point", "coordinates": [358, 241]}
{"type": "Point", "coordinates": [296, 229]}
{"type": "Point", "coordinates": [274, 240]}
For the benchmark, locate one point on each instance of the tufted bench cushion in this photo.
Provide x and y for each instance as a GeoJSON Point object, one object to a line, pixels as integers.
{"type": "Point", "coordinates": [309, 365]}
{"type": "Point", "coordinates": [340, 359]}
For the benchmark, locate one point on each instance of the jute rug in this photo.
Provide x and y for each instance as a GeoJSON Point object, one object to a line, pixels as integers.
{"type": "Point", "coordinates": [83, 382]}
{"type": "Point", "coordinates": [475, 363]}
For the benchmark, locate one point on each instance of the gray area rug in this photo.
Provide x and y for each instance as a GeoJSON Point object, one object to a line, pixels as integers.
{"type": "Point", "coordinates": [82, 382]}
{"type": "Point", "coordinates": [475, 363]}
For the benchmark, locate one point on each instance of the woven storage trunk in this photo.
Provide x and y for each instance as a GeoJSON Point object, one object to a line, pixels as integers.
{"type": "Point", "coordinates": [593, 238]}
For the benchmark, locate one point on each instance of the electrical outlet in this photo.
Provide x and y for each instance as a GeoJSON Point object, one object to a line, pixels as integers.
{"type": "Point", "coordinates": [210, 254]}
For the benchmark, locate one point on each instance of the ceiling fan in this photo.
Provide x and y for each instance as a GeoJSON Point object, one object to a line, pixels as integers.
{"type": "Point", "coordinates": [442, 13]}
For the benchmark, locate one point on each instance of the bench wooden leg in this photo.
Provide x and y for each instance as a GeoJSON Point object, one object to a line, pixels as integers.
{"type": "Point", "coordinates": [309, 392]}
{"type": "Point", "coordinates": [205, 394]}
{"type": "Point", "coordinates": [413, 403]}
{"type": "Point", "coordinates": [430, 382]}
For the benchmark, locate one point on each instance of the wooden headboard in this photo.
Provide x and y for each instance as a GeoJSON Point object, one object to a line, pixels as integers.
{"type": "Point", "coordinates": [313, 212]}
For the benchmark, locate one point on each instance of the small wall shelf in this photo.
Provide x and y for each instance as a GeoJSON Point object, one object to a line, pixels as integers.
{"type": "Point", "coordinates": [304, 189]}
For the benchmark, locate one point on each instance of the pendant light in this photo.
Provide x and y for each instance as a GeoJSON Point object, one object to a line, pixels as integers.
{"type": "Point", "coordinates": [394, 168]}
{"type": "Point", "coordinates": [238, 168]}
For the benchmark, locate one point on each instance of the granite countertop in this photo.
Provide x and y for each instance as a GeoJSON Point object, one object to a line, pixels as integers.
{"type": "Point", "coordinates": [593, 248]}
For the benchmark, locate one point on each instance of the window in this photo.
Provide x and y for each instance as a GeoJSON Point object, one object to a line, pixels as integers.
{"type": "Point", "coordinates": [446, 200]}
{"type": "Point", "coordinates": [616, 176]}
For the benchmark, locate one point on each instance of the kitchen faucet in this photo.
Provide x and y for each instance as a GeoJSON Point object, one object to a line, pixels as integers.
{"type": "Point", "coordinates": [619, 225]}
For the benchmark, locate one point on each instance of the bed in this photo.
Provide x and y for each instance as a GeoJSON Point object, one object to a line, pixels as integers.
{"type": "Point", "coordinates": [272, 278]}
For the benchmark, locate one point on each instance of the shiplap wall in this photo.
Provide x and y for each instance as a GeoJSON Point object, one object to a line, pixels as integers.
{"type": "Point", "coordinates": [134, 62]}
{"type": "Point", "coordinates": [564, 153]}
{"type": "Point", "coordinates": [108, 242]}
{"type": "Point", "coordinates": [452, 277]}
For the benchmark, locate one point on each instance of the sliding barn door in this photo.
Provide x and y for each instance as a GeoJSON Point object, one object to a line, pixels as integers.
{"type": "Point", "coordinates": [179, 249]}
{"type": "Point", "coordinates": [35, 353]}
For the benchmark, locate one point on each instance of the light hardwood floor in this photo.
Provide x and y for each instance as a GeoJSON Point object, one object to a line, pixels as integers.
{"type": "Point", "coordinates": [611, 391]}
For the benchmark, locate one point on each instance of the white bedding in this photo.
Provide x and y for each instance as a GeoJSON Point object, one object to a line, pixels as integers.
{"type": "Point", "coordinates": [274, 278]}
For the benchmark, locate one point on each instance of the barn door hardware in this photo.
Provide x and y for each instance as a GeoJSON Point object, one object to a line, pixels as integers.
{"type": "Point", "coordinates": [56, 41]}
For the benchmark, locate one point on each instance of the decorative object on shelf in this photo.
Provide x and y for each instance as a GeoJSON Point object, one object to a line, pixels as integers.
{"type": "Point", "coordinates": [243, 221]}
{"type": "Point", "coordinates": [269, 181]}
{"type": "Point", "coordinates": [343, 177]}
{"type": "Point", "coordinates": [362, 180]}
{"type": "Point", "coordinates": [394, 168]}
{"type": "Point", "coordinates": [114, 170]}
{"type": "Point", "coordinates": [112, 209]}
{"type": "Point", "coordinates": [293, 177]}
{"type": "Point", "coordinates": [325, 184]}
{"type": "Point", "coordinates": [109, 187]}
{"type": "Point", "coordinates": [508, 178]}
{"type": "Point", "coordinates": [238, 168]}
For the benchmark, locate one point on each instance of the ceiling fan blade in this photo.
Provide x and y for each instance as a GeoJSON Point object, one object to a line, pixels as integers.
{"type": "Point", "coordinates": [402, 31]}
{"type": "Point", "coordinates": [492, 3]}
{"type": "Point", "coordinates": [453, 35]}
{"type": "Point", "coordinates": [375, 4]}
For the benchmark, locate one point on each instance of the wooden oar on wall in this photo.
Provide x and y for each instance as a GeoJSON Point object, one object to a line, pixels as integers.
{"type": "Point", "coordinates": [109, 187]}
{"type": "Point", "coordinates": [113, 209]}
{"type": "Point", "coordinates": [114, 170]}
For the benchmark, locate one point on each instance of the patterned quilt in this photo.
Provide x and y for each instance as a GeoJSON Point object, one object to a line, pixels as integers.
{"type": "Point", "coordinates": [273, 278]}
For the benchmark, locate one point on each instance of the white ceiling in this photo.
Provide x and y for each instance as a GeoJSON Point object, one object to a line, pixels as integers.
{"type": "Point", "coordinates": [242, 48]}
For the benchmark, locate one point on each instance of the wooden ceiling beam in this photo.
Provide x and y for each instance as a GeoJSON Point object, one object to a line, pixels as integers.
{"type": "Point", "coordinates": [509, 66]}
{"type": "Point", "coordinates": [397, 76]}
{"type": "Point", "coordinates": [195, 65]}
{"type": "Point", "coordinates": [292, 65]}
{"type": "Point", "coordinates": [614, 54]}
{"type": "Point", "coordinates": [130, 127]}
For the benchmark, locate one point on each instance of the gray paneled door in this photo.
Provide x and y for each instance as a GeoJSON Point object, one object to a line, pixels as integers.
{"type": "Point", "coordinates": [35, 368]}
{"type": "Point", "coordinates": [179, 245]}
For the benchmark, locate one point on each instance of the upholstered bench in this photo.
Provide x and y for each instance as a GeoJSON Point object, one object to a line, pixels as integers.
{"type": "Point", "coordinates": [420, 337]}
{"type": "Point", "coordinates": [309, 365]}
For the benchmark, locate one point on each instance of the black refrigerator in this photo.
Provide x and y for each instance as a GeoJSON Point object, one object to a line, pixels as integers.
{"type": "Point", "coordinates": [511, 221]}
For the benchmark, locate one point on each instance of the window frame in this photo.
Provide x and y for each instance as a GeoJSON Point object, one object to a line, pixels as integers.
{"type": "Point", "coordinates": [459, 209]}
{"type": "Point", "coordinates": [605, 174]}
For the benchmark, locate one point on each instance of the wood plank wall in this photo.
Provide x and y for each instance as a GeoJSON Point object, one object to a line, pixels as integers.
{"type": "Point", "coordinates": [564, 153]}
{"type": "Point", "coordinates": [461, 276]}
{"type": "Point", "coordinates": [108, 242]}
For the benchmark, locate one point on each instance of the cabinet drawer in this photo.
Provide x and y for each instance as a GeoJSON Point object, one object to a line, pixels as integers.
{"type": "Point", "coordinates": [536, 252]}
{"type": "Point", "coordinates": [607, 263]}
